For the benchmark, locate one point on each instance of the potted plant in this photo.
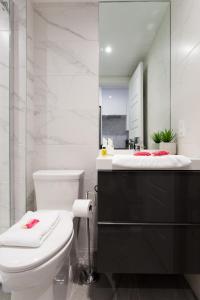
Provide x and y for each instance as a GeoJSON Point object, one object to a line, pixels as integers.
{"type": "Point", "coordinates": [156, 137]}
{"type": "Point", "coordinates": [168, 141]}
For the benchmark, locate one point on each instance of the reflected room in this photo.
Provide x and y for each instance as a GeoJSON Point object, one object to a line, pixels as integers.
{"type": "Point", "coordinates": [134, 95]}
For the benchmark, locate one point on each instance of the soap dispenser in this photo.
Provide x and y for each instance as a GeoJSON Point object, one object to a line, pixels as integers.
{"type": "Point", "coordinates": [103, 151]}
{"type": "Point", "coordinates": [110, 147]}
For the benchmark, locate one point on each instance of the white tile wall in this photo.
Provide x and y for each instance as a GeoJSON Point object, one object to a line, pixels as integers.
{"type": "Point", "coordinates": [55, 103]}
{"type": "Point", "coordinates": [4, 122]}
{"type": "Point", "coordinates": [18, 112]}
{"type": "Point", "coordinates": [30, 111]}
{"type": "Point", "coordinates": [185, 83]}
{"type": "Point", "coordinates": [66, 87]}
{"type": "Point", "coordinates": [62, 91]}
{"type": "Point", "coordinates": [186, 74]}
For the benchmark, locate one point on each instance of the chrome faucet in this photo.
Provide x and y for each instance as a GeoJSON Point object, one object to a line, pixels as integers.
{"type": "Point", "coordinates": [131, 144]}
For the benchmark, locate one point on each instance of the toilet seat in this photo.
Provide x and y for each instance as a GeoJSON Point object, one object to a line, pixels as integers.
{"type": "Point", "coordinates": [20, 259]}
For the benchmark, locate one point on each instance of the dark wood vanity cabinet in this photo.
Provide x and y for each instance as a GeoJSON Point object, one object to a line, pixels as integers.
{"type": "Point", "coordinates": [149, 222]}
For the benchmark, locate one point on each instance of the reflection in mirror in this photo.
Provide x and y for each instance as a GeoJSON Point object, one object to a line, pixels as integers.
{"type": "Point", "coordinates": [134, 72]}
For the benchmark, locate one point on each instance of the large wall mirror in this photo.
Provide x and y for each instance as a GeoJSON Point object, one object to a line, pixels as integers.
{"type": "Point", "coordinates": [134, 96]}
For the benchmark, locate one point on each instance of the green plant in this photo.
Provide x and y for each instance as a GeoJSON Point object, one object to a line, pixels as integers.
{"type": "Point", "coordinates": [156, 137]}
{"type": "Point", "coordinates": [167, 135]}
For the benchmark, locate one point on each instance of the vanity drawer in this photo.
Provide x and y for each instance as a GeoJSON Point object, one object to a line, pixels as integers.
{"type": "Point", "coordinates": [152, 249]}
{"type": "Point", "coordinates": [149, 196]}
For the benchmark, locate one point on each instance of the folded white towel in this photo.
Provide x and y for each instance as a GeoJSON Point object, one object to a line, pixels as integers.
{"type": "Point", "coordinates": [17, 236]}
{"type": "Point", "coordinates": [150, 162]}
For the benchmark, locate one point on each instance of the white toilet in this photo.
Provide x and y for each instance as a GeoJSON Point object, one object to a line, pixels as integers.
{"type": "Point", "coordinates": [28, 273]}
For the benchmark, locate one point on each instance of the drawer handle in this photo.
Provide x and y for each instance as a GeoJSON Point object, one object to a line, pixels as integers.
{"type": "Point", "coordinates": [149, 224]}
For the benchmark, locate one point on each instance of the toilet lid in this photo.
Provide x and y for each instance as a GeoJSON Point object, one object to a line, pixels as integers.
{"type": "Point", "coordinates": [18, 259]}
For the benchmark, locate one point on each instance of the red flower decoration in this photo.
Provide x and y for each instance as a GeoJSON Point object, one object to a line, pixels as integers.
{"type": "Point", "coordinates": [142, 153]}
{"type": "Point", "coordinates": [160, 153]}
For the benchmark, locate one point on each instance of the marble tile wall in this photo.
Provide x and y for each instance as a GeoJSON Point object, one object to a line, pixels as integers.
{"type": "Point", "coordinates": [18, 112]}
{"type": "Point", "coordinates": [185, 83]}
{"type": "Point", "coordinates": [66, 87]}
{"type": "Point", "coordinates": [186, 74]}
{"type": "Point", "coordinates": [62, 96]}
{"type": "Point", "coordinates": [30, 108]}
{"type": "Point", "coordinates": [4, 121]}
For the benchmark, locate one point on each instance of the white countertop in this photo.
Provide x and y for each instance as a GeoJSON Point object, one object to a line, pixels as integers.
{"type": "Point", "coordinates": [105, 162]}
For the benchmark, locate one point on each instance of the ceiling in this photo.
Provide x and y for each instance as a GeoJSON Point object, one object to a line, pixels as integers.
{"type": "Point", "coordinates": [129, 28]}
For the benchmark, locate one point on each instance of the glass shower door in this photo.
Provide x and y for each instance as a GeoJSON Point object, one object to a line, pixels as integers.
{"type": "Point", "coordinates": [4, 115]}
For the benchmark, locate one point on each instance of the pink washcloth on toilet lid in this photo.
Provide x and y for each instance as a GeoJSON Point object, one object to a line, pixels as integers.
{"type": "Point", "coordinates": [19, 235]}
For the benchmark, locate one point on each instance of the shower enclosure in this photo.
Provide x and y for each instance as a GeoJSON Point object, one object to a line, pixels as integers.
{"type": "Point", "coordinates": [5, 95]}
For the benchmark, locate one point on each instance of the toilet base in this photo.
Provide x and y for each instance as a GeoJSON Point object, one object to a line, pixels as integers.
{"type": "Point", "coordinates": [37, 293]}
{"type": "Point", "coordinates": [37, 283]}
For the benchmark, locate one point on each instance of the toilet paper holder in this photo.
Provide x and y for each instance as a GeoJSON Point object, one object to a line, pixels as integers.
{"type": "Point", "coordinates": [88, 276]}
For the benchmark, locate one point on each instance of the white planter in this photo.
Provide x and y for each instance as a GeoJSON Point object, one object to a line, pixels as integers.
{"type": "Point", "coordinates": [170, 147]}
{"type": "Point", "coordinates": [155, 146]}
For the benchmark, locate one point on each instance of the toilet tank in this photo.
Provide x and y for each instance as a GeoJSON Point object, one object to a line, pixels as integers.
{"type": "Point", "coordinates": [57, 189]}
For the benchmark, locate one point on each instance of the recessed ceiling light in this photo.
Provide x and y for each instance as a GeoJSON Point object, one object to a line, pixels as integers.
{"type": "Point", "coordinates": [108, 49]}
{"type": "Point", "coordinates": [110, 97]}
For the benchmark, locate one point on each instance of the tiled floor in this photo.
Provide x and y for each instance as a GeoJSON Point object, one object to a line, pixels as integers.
{"type": "Point", "coordinates": [135, 287]}
{"type": "Point", "coordinates": [129, 287]}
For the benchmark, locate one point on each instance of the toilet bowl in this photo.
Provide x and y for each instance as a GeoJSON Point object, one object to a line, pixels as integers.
{"type": "Point", "coordinates": [28, 273]}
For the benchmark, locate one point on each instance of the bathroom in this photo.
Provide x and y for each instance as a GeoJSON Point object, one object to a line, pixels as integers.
{"type": "Point", "coordinates": [64, 64]}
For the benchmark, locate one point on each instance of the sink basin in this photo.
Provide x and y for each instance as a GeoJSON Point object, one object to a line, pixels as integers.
{"type": "Point", "coordinates": [106, 162]}
{"type": "Point", "coordinates": [150, 162]}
